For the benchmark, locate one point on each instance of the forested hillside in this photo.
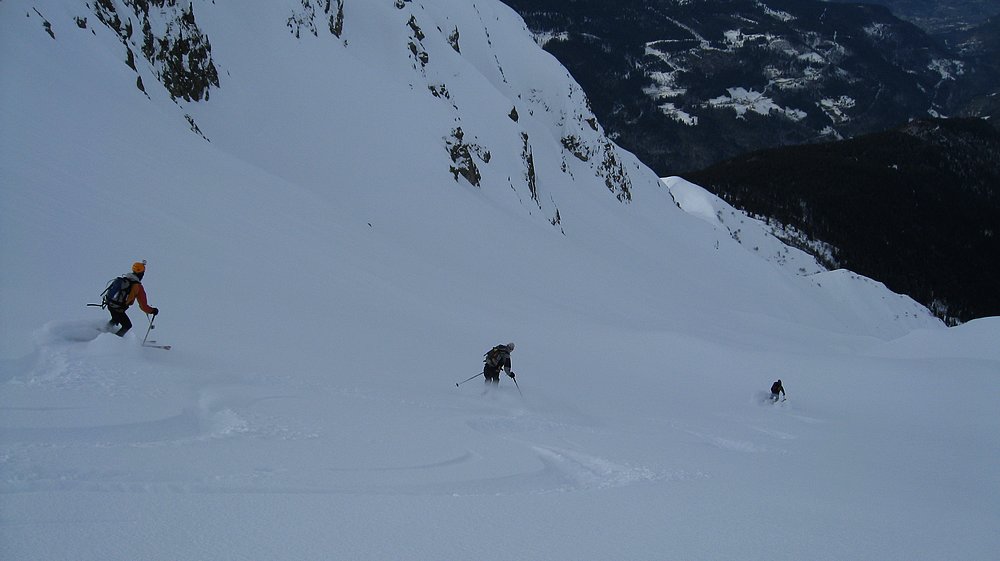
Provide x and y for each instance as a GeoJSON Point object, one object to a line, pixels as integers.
{"type": "Point", "coordinates": [917, 207]}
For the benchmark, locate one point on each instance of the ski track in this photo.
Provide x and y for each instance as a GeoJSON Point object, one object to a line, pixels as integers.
{"type": "Point", "coordinates": [735, 445]}
{"type": "Point", "coordinates": [756, 439]}
{"type": "Point", "coordinates": [71, 363]}
{"type": "Point", "coordinates": [516, 435]}
{"type": "Point", "coordinates": [228, 413]}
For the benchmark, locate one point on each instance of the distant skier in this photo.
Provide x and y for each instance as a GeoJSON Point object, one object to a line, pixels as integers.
{"type": "Point", "coordinates": [122, 293]}
{"type": "Point", "coordinates": [776, 388]}
{"type": "Point", "coordinates": [498, 358]}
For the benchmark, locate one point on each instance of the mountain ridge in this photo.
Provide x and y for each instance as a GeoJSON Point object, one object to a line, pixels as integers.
{"type": "Point", "coordinates": [542, 158]}
{"type": "Point", "coordinates": [684, 85]}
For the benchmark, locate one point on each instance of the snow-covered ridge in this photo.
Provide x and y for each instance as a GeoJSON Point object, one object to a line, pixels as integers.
{"type": "Point", "coordinates": [750, 232]}
{"type": "Point", "coordinates": [451, 98]}
{"type": "Point", "coordinates": [786, 248]}
{"type": "Point", "coordinates": [175, 43]}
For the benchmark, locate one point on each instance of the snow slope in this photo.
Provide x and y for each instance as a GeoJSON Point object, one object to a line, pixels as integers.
{"type": "Point", "coordinates": [326, 281]}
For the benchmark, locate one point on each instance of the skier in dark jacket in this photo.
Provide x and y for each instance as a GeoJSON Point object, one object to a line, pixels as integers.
{"type": "Point", "coordinates": [776, 388]}
{"type": "Point", "coordinates": [498, 358]}
{"type": "Point", "coordinates": [136, 292]}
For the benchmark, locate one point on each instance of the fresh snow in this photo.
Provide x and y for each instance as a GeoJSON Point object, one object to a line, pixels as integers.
{"type": "Point", "coordinates": [752, 233]}
{"type": "Point", "coordinates": [325, 282]}
{"type": "Point", "coordinates": [741, 100]}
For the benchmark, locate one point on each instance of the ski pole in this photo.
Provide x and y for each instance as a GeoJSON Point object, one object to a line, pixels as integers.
{"type": "Point", "coordinates": [148, 329]}
{"type": "Point", "coordinates": [513, 379]}
{"type": "Point", "coordinates": [467, 379]}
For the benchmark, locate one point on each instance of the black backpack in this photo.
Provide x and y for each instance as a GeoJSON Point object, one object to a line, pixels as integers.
{"type": "Point", "coordinates": [494, 356]}
{"type": "Point", "coordinates": [115, 296]}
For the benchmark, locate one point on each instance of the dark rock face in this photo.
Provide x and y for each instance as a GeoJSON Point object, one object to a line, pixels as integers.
{"type": "Point", "coordinates": [178, 51]}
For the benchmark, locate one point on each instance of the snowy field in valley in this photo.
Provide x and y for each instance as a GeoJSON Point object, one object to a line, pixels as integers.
{"type": "Point", "coordinates": [325, 283]}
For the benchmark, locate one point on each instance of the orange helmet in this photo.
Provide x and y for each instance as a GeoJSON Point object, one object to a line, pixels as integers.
{"type": "Point", "coordinates": [139, 267]}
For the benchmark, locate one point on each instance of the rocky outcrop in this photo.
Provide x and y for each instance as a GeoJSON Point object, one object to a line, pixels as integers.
{"type": "Point", "coordinates": [168, 36]}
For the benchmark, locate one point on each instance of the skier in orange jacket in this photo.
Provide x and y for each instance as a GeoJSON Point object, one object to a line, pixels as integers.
{"type": "Point", "coordinates": [135, 292]}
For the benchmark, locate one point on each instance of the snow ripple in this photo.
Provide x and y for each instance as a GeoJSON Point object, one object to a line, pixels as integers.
{"type": "Point", "coordinates": [583, 471]}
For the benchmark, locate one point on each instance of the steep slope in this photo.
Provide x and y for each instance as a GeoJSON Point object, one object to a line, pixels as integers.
{"type": "Point", "coordinates": [473, 149]}
{"type": "Point", "coordinates": [692, 82]}
{"type": "Point", "coordinates": [327, 269]}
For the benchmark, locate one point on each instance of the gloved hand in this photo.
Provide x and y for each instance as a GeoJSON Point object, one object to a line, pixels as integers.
{"type": "Point", "coordinates": [511, 374]}
{"type": "Point", "coordinates": [156, 311]}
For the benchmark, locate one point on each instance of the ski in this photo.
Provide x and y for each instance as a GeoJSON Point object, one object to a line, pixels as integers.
{"type": "Point", "coordinates": [150, 345]}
